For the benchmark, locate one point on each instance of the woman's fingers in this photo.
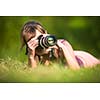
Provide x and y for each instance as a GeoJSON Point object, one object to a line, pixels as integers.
{"type": "Point", "coordinates": [60, 44]}
{"type": "Point", "coordinates": [32, 40]}
{"type": "Point", "coordinates": [32, 44]}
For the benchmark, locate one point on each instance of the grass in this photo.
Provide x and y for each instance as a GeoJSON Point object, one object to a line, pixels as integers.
{"type": "Point", "coordinates": [13, 70]}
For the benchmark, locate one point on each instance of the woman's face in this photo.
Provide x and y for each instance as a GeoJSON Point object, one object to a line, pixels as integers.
{"type": "Point", "coordinates": [38, 33]}
{"type": "Point", "coordinates": [30, 35]}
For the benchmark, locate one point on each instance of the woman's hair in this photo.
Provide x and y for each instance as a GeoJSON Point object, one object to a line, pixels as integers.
{"type": "Point", "coordinates": [30, 28]}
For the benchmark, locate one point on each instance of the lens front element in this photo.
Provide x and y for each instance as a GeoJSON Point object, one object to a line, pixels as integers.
{"type": "Point", "coordinates": [51, 40]}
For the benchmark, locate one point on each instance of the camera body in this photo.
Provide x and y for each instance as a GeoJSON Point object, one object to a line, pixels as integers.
{"type": "Point", "coordinates": [47, 40]}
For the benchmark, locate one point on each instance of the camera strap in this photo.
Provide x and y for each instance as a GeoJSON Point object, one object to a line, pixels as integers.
{"type": "Point", "coordinates": [51, 54]}
{"type": "Point", "coordinates": [27, 45]}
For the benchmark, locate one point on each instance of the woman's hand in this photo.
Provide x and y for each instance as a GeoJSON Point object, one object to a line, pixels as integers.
{"type": "Point", "coordinates": [60, 44]}
{"type": "Point", "coordinates": [32, 44]}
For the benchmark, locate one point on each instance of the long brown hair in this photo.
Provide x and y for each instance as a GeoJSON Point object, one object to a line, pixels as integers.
{"type": "Point", "coordinates": [30, 27]}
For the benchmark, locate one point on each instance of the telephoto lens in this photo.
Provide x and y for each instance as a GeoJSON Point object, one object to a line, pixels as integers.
{"type": "Point", "coordinates": [46, 41]}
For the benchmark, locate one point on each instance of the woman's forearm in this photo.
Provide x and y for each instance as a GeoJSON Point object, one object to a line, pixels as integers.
{"type": "Point", "coordinates": [31, 58]}
{"type": "Point", "coordinates": [69, 54]}
{"type": "Point", "coordinates": [70, 59]}
{"type": "Point", "coordinates": [32, 62]}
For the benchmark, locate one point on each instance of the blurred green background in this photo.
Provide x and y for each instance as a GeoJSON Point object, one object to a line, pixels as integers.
{"type": "Point", "coordinates": [82, 32]}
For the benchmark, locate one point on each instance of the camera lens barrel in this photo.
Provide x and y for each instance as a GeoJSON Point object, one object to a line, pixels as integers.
{"type": "Point", "coordinates": [47, 41]}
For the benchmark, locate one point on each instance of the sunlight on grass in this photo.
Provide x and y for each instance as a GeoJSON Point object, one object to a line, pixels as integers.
{"type": "Point", "coordinates": [12, 70]}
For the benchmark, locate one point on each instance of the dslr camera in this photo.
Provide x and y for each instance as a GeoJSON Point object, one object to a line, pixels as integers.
{"type": "Point", "coordinates": [47, 40]}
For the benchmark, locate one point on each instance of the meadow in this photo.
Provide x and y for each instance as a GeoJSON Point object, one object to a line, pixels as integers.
{"type": "Point", "coordinates": [12, 70]}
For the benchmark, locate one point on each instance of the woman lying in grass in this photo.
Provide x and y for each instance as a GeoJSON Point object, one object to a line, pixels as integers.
{"type": "Point", "coordinates": [30, 34]}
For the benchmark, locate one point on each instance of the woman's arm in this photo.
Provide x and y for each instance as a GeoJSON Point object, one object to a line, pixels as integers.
{"type": "Point", "coordinates": [69, 54]}
{"type": "Point", "coordinates": [32, 59]}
